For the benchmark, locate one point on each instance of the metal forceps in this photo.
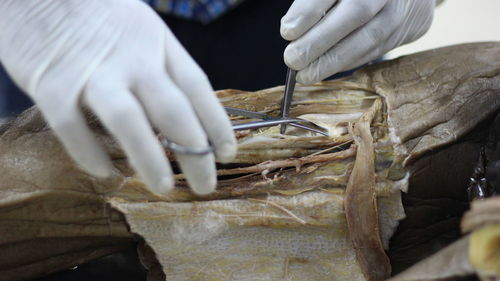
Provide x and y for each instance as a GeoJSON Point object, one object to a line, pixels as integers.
{"type": "Point", "coordinates": [269, 121]}
{"type": "Point", "coordinates": [283, 120]}
{"type": "Point", "coordinates": [287, 97]}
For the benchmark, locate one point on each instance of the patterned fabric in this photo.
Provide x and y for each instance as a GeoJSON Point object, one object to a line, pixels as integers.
{"type": "Point", "coordinates": [199, 10]}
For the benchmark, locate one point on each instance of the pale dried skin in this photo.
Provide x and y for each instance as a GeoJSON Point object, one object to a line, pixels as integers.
{"type": "Point", "coordinates": [482, 213]}
{"type": "Point", "coordinates": [452, 261]}
{"type": "Point", "coordinates": [483, 221]}
{"type": "Point", "coordinates": [484, 251]}
{"type": "Point", "coordinates": [229, 240]}
{"type": "Point", "coordinates": [467, 93]}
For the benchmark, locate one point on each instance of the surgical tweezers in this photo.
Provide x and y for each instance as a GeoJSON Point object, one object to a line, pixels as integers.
{"type": "Point", "coordinates": [269, 121]}
{"type": "Point", "coordinates": [287, 97]}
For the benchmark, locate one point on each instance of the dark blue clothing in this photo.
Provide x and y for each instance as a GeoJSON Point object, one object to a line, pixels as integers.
{"type": "Point", "coordinates": [203, 11]}
{"type": "Point", "coordinates": [12, 100]}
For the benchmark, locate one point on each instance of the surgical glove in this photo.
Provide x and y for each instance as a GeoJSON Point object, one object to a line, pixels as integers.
{"type": "Point", "coordinates": [118, 59]}
{"type": "Point", "coordinates": [330, 36]}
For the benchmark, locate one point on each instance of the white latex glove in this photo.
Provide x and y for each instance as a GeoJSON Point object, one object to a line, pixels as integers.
{"type": "Point", "coordinates": [117, 58]}
{"type": "Point", "coordinates": [330, 36]}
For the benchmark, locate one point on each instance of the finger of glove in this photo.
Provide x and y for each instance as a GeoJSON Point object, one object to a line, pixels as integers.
{"type": "Point", "coordinates": [401, 35]}
{"type": "Point", "coordinates": [302, 15]}
{"type": "Point", "coordinates": [70, 127]}
{"type": "Point", "coordinates": [342, 20]}
{"type": "Point", "coordinates": [418, 19]}
{"type": "Point", "coordinates": [171, 111]}
{"type": "Point", "coordinates": [124, 117]}
{"type": "Point", "coordinates": [193, 82]}
{"type": "Point", "coordinates": [365, 44]}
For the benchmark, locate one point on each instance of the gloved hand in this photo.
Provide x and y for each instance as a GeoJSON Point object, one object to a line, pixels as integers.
{"type": "Point", "coordinates": [330, 36]}
{"type": "Point", "coordinates": [117, 58]}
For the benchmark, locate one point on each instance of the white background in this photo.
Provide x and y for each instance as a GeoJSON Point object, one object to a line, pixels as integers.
{"type": "Point", "coordinates": [458, 21]}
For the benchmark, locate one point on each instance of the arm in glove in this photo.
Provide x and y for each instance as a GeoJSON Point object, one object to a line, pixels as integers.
{"type": "Point", "coordinates": [329, 36]}
{"type": "Point", "coordinates": [117, 58]}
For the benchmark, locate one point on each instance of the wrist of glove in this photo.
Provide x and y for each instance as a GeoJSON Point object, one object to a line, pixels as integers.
{"type": "Point", "coordinates": [117, 58]}
{"type": "Point", "coordinates": [330, 36]}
